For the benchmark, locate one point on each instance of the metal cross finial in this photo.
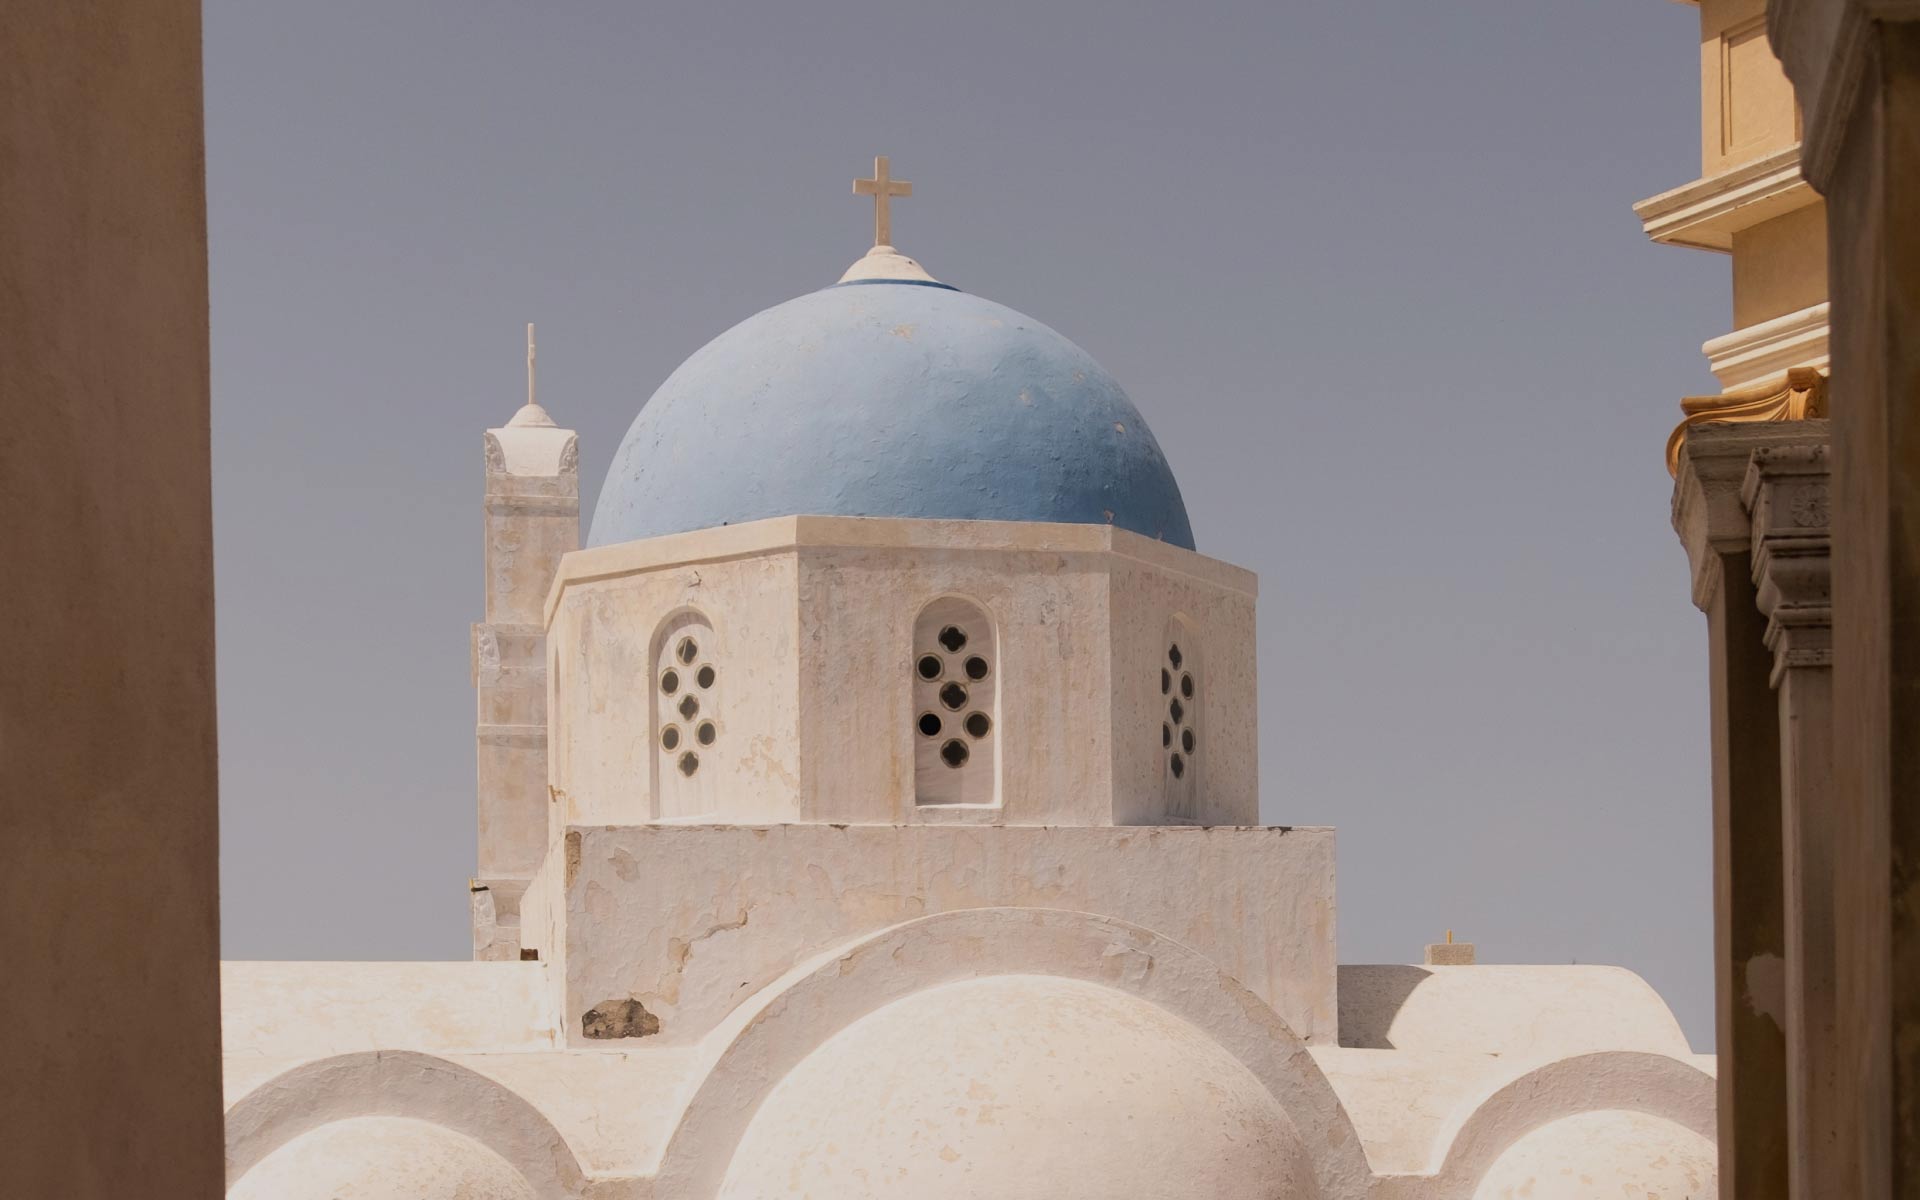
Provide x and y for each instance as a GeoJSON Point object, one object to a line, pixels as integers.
{"type": "Point", "coordinates": [882, 187]}
{"type": "Point", "coordinates": [530, 399]}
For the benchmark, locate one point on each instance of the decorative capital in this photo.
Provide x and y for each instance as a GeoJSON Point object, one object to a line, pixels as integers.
{"type": "Point", "coordinates": [1800, 396]}
{"type": "Point", "coordinates": [1709, 513]}
{"type": "Point", "coordinates": [1786, 494]}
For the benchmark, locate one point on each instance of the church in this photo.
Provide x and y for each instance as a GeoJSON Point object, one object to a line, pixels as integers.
{"type": "Point", "coordinates": [868, 807]}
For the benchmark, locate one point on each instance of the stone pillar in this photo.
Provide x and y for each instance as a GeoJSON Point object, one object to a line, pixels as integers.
{"type": "Point", "coordinates": [1855, 66]}
{"type": "Point", "coordinates": [109, 996]}
{"type": "Point", "coordinates": [1787, 500]}
{"type": "Point", "coordinates": [532, 518]}
{"type": "Point", "coordinates": [1748, 911]}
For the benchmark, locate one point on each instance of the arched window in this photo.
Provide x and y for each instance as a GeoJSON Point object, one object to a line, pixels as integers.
{"type": "Point", "coordinates": [686, 716]}
{"type": "Point", "coordinates": [1180, 740]}
{"type": "Point", "coordinates": [956, 705]}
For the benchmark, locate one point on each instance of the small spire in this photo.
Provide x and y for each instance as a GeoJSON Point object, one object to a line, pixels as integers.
{"type": "Point", "coordinates": [530, 413]}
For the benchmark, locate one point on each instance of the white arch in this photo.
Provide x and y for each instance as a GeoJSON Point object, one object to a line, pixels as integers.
{"type": "Point", "coordinates": [787, 1020]}
{"type": "Point", "coordinates": [1655, 1084]}
{"type": "Point", "coordinates": [402, 1083]}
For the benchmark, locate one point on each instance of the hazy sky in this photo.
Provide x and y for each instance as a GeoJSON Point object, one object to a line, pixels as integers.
{"type": "Point", "coordinates": [1368, 269]}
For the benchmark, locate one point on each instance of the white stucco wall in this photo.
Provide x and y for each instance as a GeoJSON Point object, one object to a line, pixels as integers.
{"type": "Point", "coordinates": [815, 617]}
{"type": "Point", "coordinates": [690, 919]}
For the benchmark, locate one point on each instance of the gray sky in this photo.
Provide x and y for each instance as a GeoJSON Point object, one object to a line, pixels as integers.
{"type": "Point", "coordinates": [1368, 269]}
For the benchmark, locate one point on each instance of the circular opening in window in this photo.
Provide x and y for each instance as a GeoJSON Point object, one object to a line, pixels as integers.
{"type": "Point", "coordinates": [670, 738]}
{"type": "Point", "coordinates": [954, 753]}
{"type": "Point", "coordinates": [1173, 655]}
{"type": "Point", "coordinates": [1176, 710]}
{"type": "Point", "coordinates": [704, 676]}
{"type": "Point", "coordinates": [979, 724]}
{"type": "Point", "coordinates": [977, 668]}
{"type": "Point", "coordinates": [930, 724]}
{"type": "Point", "coordinates": [953, 637]}
{"type": "Point", "coordinates": [689, 650]}
{"type": "Point", "coordinates": [1166, 734]}
{"type": "Point", "coordinates": [1166, 681]}
{"type": "Point", "coordinates": [1186, 686]}
{"type": "Point", "coordinates": [1179, 766]}
{"type": "Point", "coordinates": [690, 762]}
{"type": "Point", "coordinates": [1186, 740]}
{"type": "Point", "coordinates": [706, 733]}
{"type": "Point", "coordinates": [930, 666]}
{"type": "Point", "coordinates": [670, 681]}
{"type": "Point", "coordinates": [689, 706]}
{"type": "Point", "coordinates": [953, 695]}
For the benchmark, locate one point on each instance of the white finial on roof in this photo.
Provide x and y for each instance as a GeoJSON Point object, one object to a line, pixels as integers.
{"type": "Point", "coordinates": [530, 413]}
{"type": "Point", "coordinates": [883, 261]}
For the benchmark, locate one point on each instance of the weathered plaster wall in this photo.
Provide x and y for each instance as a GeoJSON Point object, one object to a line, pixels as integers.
{"type": "Point", "coordinates": [690, 920]}
{"type": "Point", "coordinates": [109, 1019]}
{"type": "Point", "coordinates": [813, 621]}
{"type": "Point", "coordinates": [1215, 611]}
{"type": "Point", "coordinates": [295, 1010]}
{"type": "Point", "coordinates": [609, 765]}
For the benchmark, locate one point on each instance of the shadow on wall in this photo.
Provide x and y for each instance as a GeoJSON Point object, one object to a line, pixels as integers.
{"type": "Point", "coordinates": [1370, 997]}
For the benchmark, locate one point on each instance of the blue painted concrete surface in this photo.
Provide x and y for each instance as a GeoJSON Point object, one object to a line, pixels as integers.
{"type": "Point", "coordinates": [889, 400]}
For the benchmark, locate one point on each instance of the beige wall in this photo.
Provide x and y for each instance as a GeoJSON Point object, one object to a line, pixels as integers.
{"type": "Point", "coordinates": [109, 1003]}
{"type": "Point", "coordinates": [1746, 105]}
{"type": "Point", "coordinates": [1780, 266]}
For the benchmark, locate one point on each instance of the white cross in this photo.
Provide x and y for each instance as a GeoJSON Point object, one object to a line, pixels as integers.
{"type": "Point", "coordinates": [883, 187]}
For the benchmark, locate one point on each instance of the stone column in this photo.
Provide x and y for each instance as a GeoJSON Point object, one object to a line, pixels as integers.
{"type": "Point", "coordinates": [1855, 65]}
{"type": "Point", "coordinates": [110, 992]}
{"type": "Point", "coordinates": [1786, 497]}
{"type": "Point", "coordinates": [1748, 911]}
{"type": "Point", "coordinates": [532, 518]}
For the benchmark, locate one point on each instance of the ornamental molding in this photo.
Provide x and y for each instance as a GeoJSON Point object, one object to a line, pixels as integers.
{"type": "Point", "coordinates": [1710, 514]}
{"type": "Point", "coordinates": [1786, 493]}
{"type": "Point", "coordinates": [1761, 353]}
{"type": "Point", "coordinates": [1800, 395]}
{"type": "Point", "coordinates": [1707, 213]}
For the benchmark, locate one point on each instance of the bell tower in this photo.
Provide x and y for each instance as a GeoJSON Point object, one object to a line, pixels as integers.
{"type": "Point", "coordinates": [532, 518]}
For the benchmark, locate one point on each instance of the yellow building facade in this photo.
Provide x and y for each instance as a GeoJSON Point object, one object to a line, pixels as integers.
{"type": "Point", "coordinates": [1752, 204]}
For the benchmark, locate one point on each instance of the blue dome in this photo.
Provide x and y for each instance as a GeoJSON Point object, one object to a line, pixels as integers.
{"type": "Point", "coordinates": [889, 399]}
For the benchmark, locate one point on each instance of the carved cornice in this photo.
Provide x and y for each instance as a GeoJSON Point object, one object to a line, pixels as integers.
{"type": "Point", "coordinates": [1786, 495]}
{"type": "Point", "coordinates": [1707, 213]}
{"type": "Point", "coordinates": [1760, 353]}
{"type": "Point", "coordinates": [1801, 396]}
{"type": "Point", "coordinates": [1708, 512]}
